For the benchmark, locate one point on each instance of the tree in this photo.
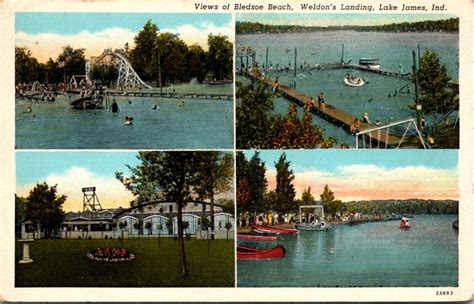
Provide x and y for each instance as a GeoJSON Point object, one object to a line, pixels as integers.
{"type": "Point", "coordinates": [220, 56]}
{"type": "Point", "coordinates": [307, 198]}
{"type": "Point", "coordinates": [284, 190]}
{"type": "Point", "coordinates": [73, 61]}
{"type": "Point", "coordinates": [436, 95]}
{"type": "Point", "coordinates": [44, 206]}
{"type": "Point", "coordinates": [26, 66]}
{"type": "Point", "coordinates": [141, 56]}
{"type": "Point", "coordinates": [148, 226]}
{"type": "Point", "coordinates": [172, 175]}
{"type": "Point", "coordinates": [253, 119]}
{"type": "Point", "coordinates": [196, 62]}
{"type": "Point", "coordinates": [214, 176]}
{"type": "Point", "coordinates": [20, 203]}
{"type": "Point", "coordinates": [330, 204]}
{"type": "Point", "coordinates": [250, 173]}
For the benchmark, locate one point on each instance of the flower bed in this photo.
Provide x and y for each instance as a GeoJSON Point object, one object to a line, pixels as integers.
{"type": "Point", "coordinates": [111, 255]}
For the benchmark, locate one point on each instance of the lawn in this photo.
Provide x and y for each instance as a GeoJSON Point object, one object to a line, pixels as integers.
{"type": "Point", "coordinates": [63, 263]}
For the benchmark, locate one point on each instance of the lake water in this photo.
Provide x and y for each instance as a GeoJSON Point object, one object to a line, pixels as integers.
{"type": "Point", "coordinates": [199, 124]}
{"type": "Point", "coordinates": [393, 50]}
{"type": "Point", "coordinates": [369, 255]}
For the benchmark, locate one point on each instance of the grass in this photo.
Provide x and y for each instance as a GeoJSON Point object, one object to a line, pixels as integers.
{"type": "Point", "coordinates": [63, 263]}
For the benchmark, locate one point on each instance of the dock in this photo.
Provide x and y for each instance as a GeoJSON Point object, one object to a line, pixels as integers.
{"type": "Point", "coordinates": [211, 96]}
{"type": "Point", "coordinates": [336, 115]}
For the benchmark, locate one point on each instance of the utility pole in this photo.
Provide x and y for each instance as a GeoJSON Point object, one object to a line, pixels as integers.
{"type": "Point", "coordinates": [294, 80]}
{"type": "Point", "coordinates": [417, 105]}
{"type": "Point", "coordinates": [159, 72]}
{"type": "Point", "coordinates": [266, 62]}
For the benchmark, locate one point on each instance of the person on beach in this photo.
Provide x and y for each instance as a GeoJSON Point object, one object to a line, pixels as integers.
{"type": "Point", "coordinates": [366, 117]}
{"type": "Point", "coordinates": [114, 107]}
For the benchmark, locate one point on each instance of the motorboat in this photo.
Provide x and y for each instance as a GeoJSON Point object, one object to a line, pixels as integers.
{"type": "Point", "coordinates": [314, 226]}
{"type": "Point", "coordinates": [246, 253]}
{"type": "Point", "coordinates": [274, 229]}
{"type": "Point", "coordinates": [404, 223]}
{"type": "Point", "coordinates": [354, 81]}
{"type": "Point", "coordinates": [256, 237]}
{"type": "Point", "coordinates": [371, 63]}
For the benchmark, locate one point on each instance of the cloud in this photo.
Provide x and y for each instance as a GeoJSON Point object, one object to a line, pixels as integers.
{"type": "Point", "coordinates": [371, 182]}
{"type": "Point", "coordinates": [49, 45]}
{"type": "Point", "coordinates": [110, 191]}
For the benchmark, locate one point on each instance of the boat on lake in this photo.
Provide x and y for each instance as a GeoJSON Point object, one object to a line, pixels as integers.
{"type": "Point", "coordinates": [404, 223]}
{"type": "Point", "coordinates": [314, 226]}
{"type": "Point", "coordinates": [274, 229]}
{"type": "Point", "coordinates": [256, 237]}
{"type": "Point", "coordinates": [246, 253]}
{"type": "Point", "coordinates": [354, 81]}
{"type": "Point", "coordinates": [371, 63]}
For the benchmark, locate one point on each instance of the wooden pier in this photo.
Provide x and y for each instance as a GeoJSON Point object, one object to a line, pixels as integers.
{"type": "Point", "coordinates": [336, 116]}
{"type": "Point", "coordinates": [211, 96]}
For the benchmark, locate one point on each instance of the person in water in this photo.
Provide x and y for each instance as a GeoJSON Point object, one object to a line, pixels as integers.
{"type": "Point", "coordinates": [128, 120]}
{"type": "Point", "coordinates": [114, 107]}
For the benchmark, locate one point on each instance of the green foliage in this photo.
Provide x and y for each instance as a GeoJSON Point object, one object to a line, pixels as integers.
{"type": "Point", "coordinates": [436, 95]}
{"type": "Point", "coordinates": [220, 56]}
{"type": "Point", "coordinates": [330, 204]}
{"type": "Point", "coordinates": [251, 181]}
{"type": "Point", "coordinates": [253, 118]}
{"type": "Point", "coordinates": [44, 206]}
{"type": "Point", "coordinates": [285, 191]}
{"type": "Point", "coordinates": [72, 60]}
{"type": "Point", "coordinates": [104, 73]}
{"type": "Point", "coordinates": [413, 206]}
{"type": "Point", "coordinates": [141, 56]}
{"type": "Point", "coordinates": [27, 68]}
{"type": "Point", "coordinates": [448, 25]}
{"type": "Point", "coordinates": [307, 198]}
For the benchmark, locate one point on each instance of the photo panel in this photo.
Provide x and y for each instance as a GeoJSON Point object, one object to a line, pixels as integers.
{"type": "Point", "coordinates": [125, 219]}
{"type": "Point", "coordinates": [347, 218]}
{"type": "Point", "coordinates": [347, 81]}
{"type": "Point", "coordinates": [123, 81]}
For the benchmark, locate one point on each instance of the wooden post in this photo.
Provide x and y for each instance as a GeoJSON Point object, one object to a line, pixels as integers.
{"type": "Point", "coordinates": [266, 62]}
{"type": "Point", "coordinates": [294, 80]}
{"type": "Point", "coordinates": [415, 77]}
{"type": "Point", "coordinates": [342, 55]}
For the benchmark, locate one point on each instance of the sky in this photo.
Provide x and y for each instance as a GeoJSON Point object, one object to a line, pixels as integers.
{"type": "Point", "coordinates": [72, 171]}
{"type": "Point", "coordinates": [332, 19]}
{"type": "Point", "coordinates": [46, 33]}
{"type": "Point", "coordinates": [370, 174]}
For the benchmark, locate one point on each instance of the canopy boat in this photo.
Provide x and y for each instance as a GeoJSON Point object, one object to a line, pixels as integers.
{"type": "Point", "coordinates": [274, 229]}
{"type": "Point", "coordinates": [371, 63]}
{"type": "Point", "coordinates": [315, 226]}
{"type": "Point", "coordinates": [404, 223]}
{"type": "Point", "coordinates": [354, 81]}
{"type": "Point", "coordinates": [245, 253]}
{"type": "Point", "coordinates": [256, 237]}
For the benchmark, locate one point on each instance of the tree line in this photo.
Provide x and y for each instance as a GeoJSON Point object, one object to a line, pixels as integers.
{"type": "Point", "coordinates": [447, 25]}
{"type": "Point", "coordinates": [155, 56]}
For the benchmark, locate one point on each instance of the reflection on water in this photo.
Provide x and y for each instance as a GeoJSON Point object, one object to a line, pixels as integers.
{"type": "Point", "coordinates": [372, 254]}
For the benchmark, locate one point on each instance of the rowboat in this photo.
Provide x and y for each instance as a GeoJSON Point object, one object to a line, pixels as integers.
{"type": "Point", "coordinates": [354, 81]}
{"type": "Point", "coordinates": [371, 63]}
{"type": "Point", "coordinates": [273, 229]}
{"type": "Point", "coordinates": [404, 223]}
{"type": "Point", "coordinates": [245, 253]}
{"type": "Point", "coordinates": [256, 237]}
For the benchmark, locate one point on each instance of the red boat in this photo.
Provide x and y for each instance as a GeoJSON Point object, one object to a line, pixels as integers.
{"type": "Point", "coordinates": [256, 237]}
{"type": "Point", "coordinates": [273, 229]}
{"type": "Point", "coordinates": [245, 253]}
{"type": "Point", "coordinates": [404, 223]}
